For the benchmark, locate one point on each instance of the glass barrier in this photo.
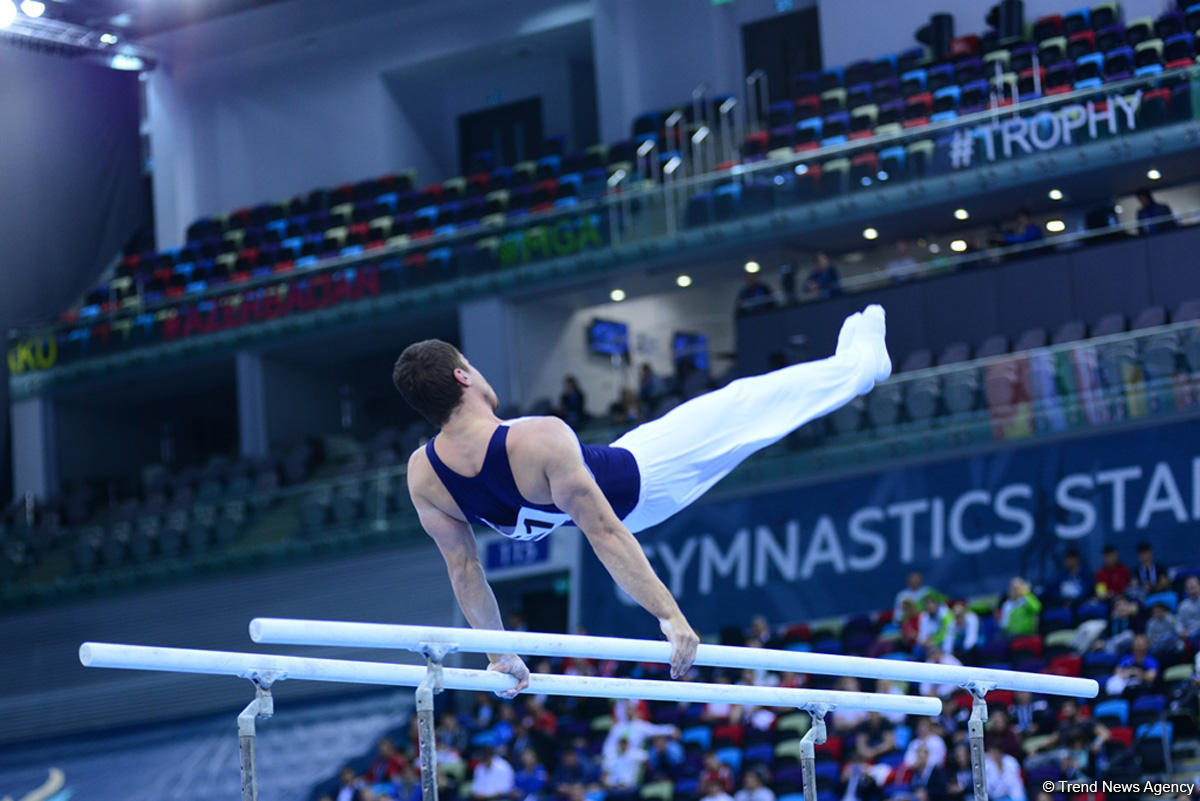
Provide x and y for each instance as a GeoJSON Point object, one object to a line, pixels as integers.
{"type": "Point", "coordinates": [671, 183]}
{"type": "Point", "coordinates": [1133, 377]}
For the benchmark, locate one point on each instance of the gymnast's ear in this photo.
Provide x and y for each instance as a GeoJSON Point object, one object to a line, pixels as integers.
{"type": "Point", "coordinates": [462, 377]}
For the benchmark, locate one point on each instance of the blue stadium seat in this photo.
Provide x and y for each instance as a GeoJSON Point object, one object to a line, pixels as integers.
{"type": "Point", "coordinates": [1168, 599]}
{"type": "Point", "coordinates": [1116, 709]}
{"type": "Point", "coordinates": [914, 82]}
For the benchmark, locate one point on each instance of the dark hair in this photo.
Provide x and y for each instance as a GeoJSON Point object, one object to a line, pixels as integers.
{"type": "Point", "coordinates": [1110, 549]}
{"type": "Point", "coordinates": [1024, 212]}
{"type": "Point", "coordinates": [424, 375]}
{"type": "Point", "coordinates": [1144, 546]}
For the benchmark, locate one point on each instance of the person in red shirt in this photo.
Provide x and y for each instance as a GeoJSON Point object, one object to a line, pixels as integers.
{"type": "Point", "coordinates": [388, 765]}
{"type": "Point", "coordinates": [1113, 576]}
{"type": "Point", "coordinates": [717, 772]}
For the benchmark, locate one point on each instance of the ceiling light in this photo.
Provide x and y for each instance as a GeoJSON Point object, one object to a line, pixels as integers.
{"type": "Point", "coordinates": [1056, 194]}
{"type": "Point", "coordinates": [752, 267]}
{"type": "Point", "coordinates": [8, 13]}
{"type": "Point", "coordinates": [801, 169]}
{"type": "Point", "coordinates": [961, 214]}
{"type": "Point", "coordinates": [108, 38]}
{"type": "Point", "coordinates": [1056, 226]}
{"type": "Point", "coordinates": [958, 245]}
{"type": "Point", "coordinates": [1153, 174]}
{"type": "Point", "coordinates": [870, 233]}
{"type": "Point", "coordinates": [33, 8]}
{"type": "Point", "coordinates": [617, 295]}
{"type": "Point", "coordinates": [934, 247]}
{"type": "Point", "coordinates": [1119, 209]}
{"type": "Point", "coordinates": [124, 61]}
{"type": "Point", "coordinates": [684, 280]}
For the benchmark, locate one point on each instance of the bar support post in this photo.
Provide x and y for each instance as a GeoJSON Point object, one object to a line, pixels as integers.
{"type": "Point", "coordinates": [979, 713]}
{"type": "Point", "coordinates": [808, 757]}
{"type": "Point", "coordinates": [263, 706]}
{"type": "Point", "coordinates": [430, 686]}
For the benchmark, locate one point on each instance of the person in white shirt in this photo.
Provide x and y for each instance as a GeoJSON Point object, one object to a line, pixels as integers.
{"type": "Point", "coordinates": [913, 591]}
{"type": "Point", "coordinates": [351, 784]}
{"type": "Point", "coordinates": [935, 655]}
{"type": "Point", "coordinates": [493, 777]}
{"type": "Point", "coordinates": [934, 745]}
{"type": "Point", "coordinates": [1003, 776]}
{"type": "Point", "coordinates": [934, 621]}
{"type": "Point", "coordinates": [630, 726]}
{"type": "Point", "coordinates": [623, 770]}
{"type": "Point", "coordinates": [714, 792]}
{"type": "Point", "coordinates": [754, 789]}
{"type": "Point", "coordinates": [844, 721]}
{"type": "Point", "coordinates": [963, 634]}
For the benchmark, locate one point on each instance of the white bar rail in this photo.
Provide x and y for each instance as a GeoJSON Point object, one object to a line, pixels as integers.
{"type": "Point", "coordinates": [385, 635]}
{"type": "Point", "coordinates": [255, 666]}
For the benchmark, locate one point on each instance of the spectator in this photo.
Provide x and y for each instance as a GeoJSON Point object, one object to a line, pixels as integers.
{"type": "Point", "coordinates": [844, 721]}
{"type": "Point", "coordinates": [1122, 625]}
{"type": "Point", "coordinates": [963, 633]}
{"type": "Point", "coordinates": [914, 590]}
{"type": "Point", "coordinates": [634, 729]}
{"type": "Point", "coordinates": [1113, 576]}
{"type": "Point", "coordinates": [531, 780]}
{"type": "Point", "coordinates": [493, 777]}
{"type": "Point", "coordinates": [716, 772]}
{"type": "Point", "coordinates": [787, 283]}
{"type": "Point", "coordinates": [626, 410]}
{"type": "Point", "coordinates": [935, 655]}
{"type": "Point", "coordinates": [1072, 585]}
{"type": "Point", "coordinates": [1026, 230]}
{"type": "Point", "coordinates": [933, 623]}
{"type": "Point", "coordinates": [623, 770]}
{"type": "Point", "coordinates": [875, 737]}
{"type": "Point", "coordinates": [925, 775]}
{"type": "Point", "coordinates": [350, 784]}
{"type": "Point", "coordinates": [886, 687]}
{"type": "Point", "coordinates": [1136, 671]}
{"type": "Point", "coordinates": [1002, 735]}
{"type": "Point", "coordinates": [451, 733]}
{"type": "Point", "coordinates": [859, 780]}
{"type": "Point", "coordinates": [1188, 617]}
{"type": "Point", "coordinates": [824, 281]}
{"type": "Point", "coordinates": [1147, 572]}
{"type": "Point", "coordinates": [1019, 614]}
{"type": "Point", "coordinates": [715, 792]}
{"type": "Point", "coordinates": [665, 757]}
{"type": "Point", "coordinates": [387, 765]}
{"type": "Point", "coordinates": [910, 623]}
{"type": "Point", "coordinates": [407, 786]}
{"type": "Point", "coordinates": [754, 295]}
{"type": "Point", "coordinates": [927, 741]}
{"type": "Point", "coordinates": [754, 788]}
{"type": "Point", "coordinates": [1003, 775]}
{"type": "Point", "coordinates": [572, 405]}
{"type": "Point", "coordinates": [1162, 632]}
{"type": "Point", "coordinates": [960, 781]}
{"type": "Point", "coordinates": [902, 265]}
{"type": "Point", "coordinates": [761, 633]}
{"type": "Point", "coordinates": [1030, 715]}
{"type": "Point", "coordinates": [572, 771]}
{"type": "Point", "coordinates": [650, 389]}
{"type": "Point", "coordinates": [1153, 216]}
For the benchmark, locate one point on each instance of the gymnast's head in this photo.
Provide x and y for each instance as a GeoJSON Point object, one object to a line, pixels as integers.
{"type": "Point", "coordinates": [439, 382]}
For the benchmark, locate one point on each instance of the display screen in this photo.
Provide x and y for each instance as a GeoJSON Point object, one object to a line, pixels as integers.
{"type": "Point", "coordinates": [692, 347]}
{"type": "Point", "coordinates": [609, 338]}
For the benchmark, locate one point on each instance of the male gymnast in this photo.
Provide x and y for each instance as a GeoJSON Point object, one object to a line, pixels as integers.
{"type": "Point", "coordinates": [528, 476]}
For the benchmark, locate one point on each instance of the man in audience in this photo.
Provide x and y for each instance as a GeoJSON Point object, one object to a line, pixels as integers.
{"type": "Point", "coordinates": [650, 388]}
{"type": "Point", "coordinates": [844, 721]}
{"type": "Point", "coordinates": [902, 264]}
{"type": "Point", "coordinates": [1001, 733]}
{"type": "Point", "coordinates": [665, 757]}
{"type": "Point", "coordinates": [1147, 572]}
{"type": "Point", "coordinates": [572, 404]}
{"type": "Point", "coordinates": [1153, 215]}
{"type": "Point", "coordinates": [387, 765]}
{"type": "Point", "coordinates": [716, 772]}
{"type": "Point", "coordinates": [1136, 671]}
{"type": "Point", "coordinates": [572, 771]}
{"type": "Point", "coordinates": [493, 777]}
{"type": "Point", "coordinates": [754, 295]}
{"type": "Point", "coordinates": [925, 741]}
{"type": "Point", "coordinates": [936, 656]}
{"type": "Point", "coordinates": [531, 781]}
{"type": "Point", "coordinates": [824, 281]}
{"type": "Point", "coordinates": [1025, 231]}
{"type": "Point", "coordinates": [1188, 617]}
{"type": "Point", "coordinates": [1073, 584]}
{"type": "Point", "coordinates": [713, 791]}
{"type": "Point", "coordinates": [933, 624]}
{"type": "Point", "coordinates": [634, 729]}
{"type": "Point", "coordinates": [963, 633]}
{"type": "Point", "coordinates": [1004, 781]}
{"type": "Point", "coordinates": [1162, 632]}
{"type": "Point", "coordinates": [875, 737]}
{"type": "Point", "coordinates": [351, 784]}
{"type": "Point", "coordinates": [754, 788]}
{"type": "Point", "coordinates": [1122, 625]}
{"type": "Point", "coordinates": [1019, 614]}
{"type": "Point", "coordinates": [1113, 576]}
{"type": "Point", "coordinates": [623, 770]}
{"type": "Point", "coordinates": [914, 590]}
{"type": "Point", "coordinates": [1030, 716]}
{"type": "Point", "coordinates": [925, 775]}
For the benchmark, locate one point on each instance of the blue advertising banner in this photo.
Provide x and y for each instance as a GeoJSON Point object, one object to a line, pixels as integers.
{"type": "Point", "coordinates": [969, 525]}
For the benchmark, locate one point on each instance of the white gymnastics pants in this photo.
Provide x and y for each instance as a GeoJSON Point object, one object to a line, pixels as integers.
{"type": "Point", "coordinates": [692, 447]}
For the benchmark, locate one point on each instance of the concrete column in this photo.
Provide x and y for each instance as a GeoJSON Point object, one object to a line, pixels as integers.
{"type": "Point", "coordinates": [489, 342]}
{"type": "Point", "coordinates": [34, 454]}
{"type": "Point", "coordinates": [252, 405]}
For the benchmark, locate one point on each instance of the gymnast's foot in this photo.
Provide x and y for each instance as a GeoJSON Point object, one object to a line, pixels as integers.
{"type": "Point", "coordinates": [845, 340]}
{"type": "Point", "coordinates": [870, 334]}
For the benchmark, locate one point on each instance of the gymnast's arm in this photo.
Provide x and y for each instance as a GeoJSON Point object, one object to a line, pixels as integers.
{"type": "Point", "coordinates": [456, 542]}
{"type": "Point", "coordinates": [575, 491]}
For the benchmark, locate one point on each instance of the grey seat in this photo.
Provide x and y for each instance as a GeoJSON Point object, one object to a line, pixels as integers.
{"type": "Point", "coordinates": [917, 360]}
{"type": "Point", "coordinates": [1070, 331]}
{"type": "Point", "coordinates": [993, 346]}
{"type": "Point", "coordinates": [1033, 338]}
{"type": "Point", "coordinates": [849, 418]}
{"type": "Point", "coordinates": [960, 389]}
{"type": "Point", "coordinates": [1109, 324]}
{"type": "Point", "coordinates": [883, 405]}
{"type": "Point", "coordinates": [954, 353]}
{"type": "Point", "coordinates": [1188, 310]}
{"type": "Point", "coordinates": [1150, 317]}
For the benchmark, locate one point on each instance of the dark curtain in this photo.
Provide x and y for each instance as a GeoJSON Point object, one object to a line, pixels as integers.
{"type": "Point", "coordinates": [70, 186]}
